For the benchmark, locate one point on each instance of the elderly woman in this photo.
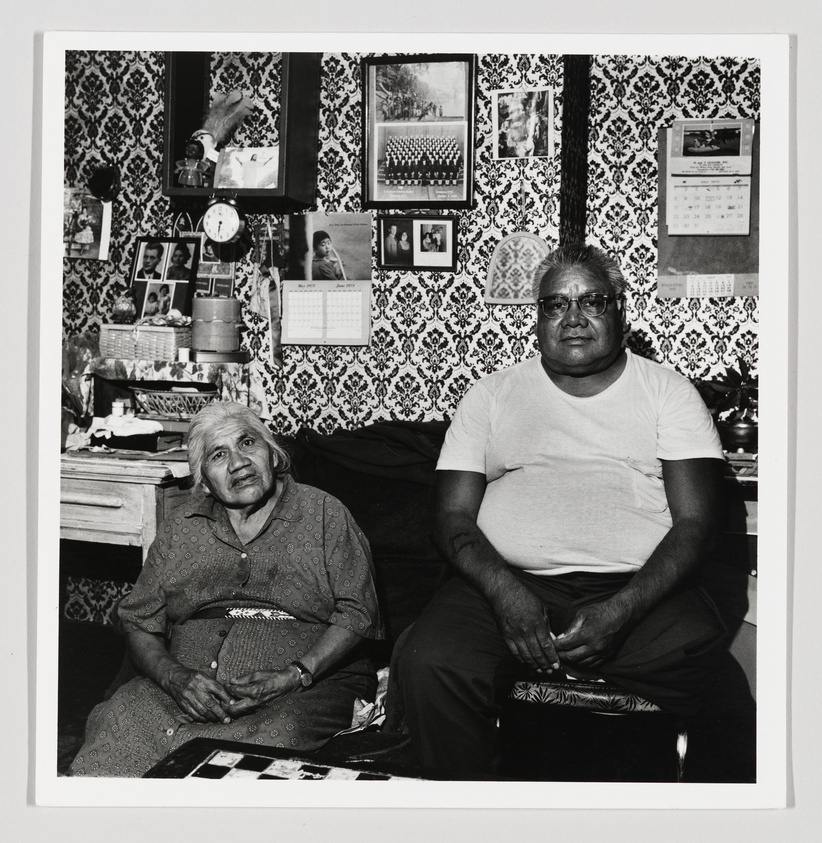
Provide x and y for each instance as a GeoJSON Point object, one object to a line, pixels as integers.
{"type": "Point", "coordinates": [245, 619]}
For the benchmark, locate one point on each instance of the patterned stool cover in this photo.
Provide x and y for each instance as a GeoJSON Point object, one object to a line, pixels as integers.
{"type": "Point", "coordinates": [598, 697]}
{"type": "Point", "coordinates": [590, 695]}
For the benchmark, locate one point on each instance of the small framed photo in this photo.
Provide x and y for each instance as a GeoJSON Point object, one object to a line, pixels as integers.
{"type": "Point", "coordinates": [418, 130]}
{"type": "Point", "coordinates": [163, 274]}
{"type": "Point", "coordinates": [523, 124]}
{"type": "Point", "coordinates": [215, 275]}
{"type": "Point", "coordinates": [418, 242]}
{"type": "Point", "coordinates": [86, 225]}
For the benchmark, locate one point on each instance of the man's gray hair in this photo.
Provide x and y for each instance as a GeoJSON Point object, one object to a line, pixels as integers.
{"type": "Point", "coordinates": [579, 255]}
{"type": "Point", "coordinates": [212, 417]}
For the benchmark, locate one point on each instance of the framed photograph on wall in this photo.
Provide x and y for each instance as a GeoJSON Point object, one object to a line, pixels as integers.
{"type": "Point", "coordinates": [215, 275]}
{"type": "Point", "coordinates": [163, 274]}
{"type": "Point", "coordinates": [523, 124]}
{"type": "Point", "coordinates": [418, 131]}
{"type": "Point", "coordinates": [419, 242]}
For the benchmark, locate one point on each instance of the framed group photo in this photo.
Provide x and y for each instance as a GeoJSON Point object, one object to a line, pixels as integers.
{"type": "Point", "coordinates": [163, 274]}
{"type": "Point", "coordinates": [420, 242]}
{"type": "Point", "coordinates": [418, 120]}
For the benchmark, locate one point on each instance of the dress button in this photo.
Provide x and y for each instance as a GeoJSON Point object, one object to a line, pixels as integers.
{"type": "Point", "coordinates": [213, 665]}
{"type": "Point", "coordinates": [222, 633]}
{"type": "Point", "coordinates": [243, 556]}
{"type": "Point", "coordinates": [169, 731]}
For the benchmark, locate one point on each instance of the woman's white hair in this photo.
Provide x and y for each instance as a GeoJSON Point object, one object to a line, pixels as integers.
{"type": "Point", "coordinates": [212, 417]}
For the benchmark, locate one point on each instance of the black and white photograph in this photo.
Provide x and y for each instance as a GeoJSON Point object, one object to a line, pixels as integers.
{"type": "Point", "coordinates": [86, 225]}
{"type": "Point", "coordinates": [495, 551]}
{"type": "Point", "coordinates": [716, 147]}
{"type": "Point", "coordinates": [327, 247]}
{"type": "Point", "coordinates": [435, 244]}
{"type": "Point", "coordinates": [395, 242]}
{"type": "Point", "coordinates": [163, 274]}
{"type": "Point", "coordinates": [711, 142]}
{"type": "Point", "coordinates": [418, 129]}
{"type": "Point", "coordinates": [251, 168]}
{"type": "Point", "coordinates": [417, 242]}
{"type": "Point", "coordinates": [215, 276]}
{"type": "Point", "coordinates": [523, 124]}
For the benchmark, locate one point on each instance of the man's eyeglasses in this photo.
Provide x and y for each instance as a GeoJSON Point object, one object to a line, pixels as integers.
{"type": "Point", "coordinates": [590, 304]}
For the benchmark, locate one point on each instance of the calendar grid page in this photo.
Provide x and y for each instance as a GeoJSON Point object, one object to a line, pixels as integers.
{"type": "Point", "coordinates": [709, 206]}
{"type": "Point", "coordinates": [326, 312]}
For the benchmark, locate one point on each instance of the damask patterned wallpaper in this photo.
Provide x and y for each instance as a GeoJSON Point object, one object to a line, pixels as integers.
{"type": "Point", "coordinates": [631, 98]}
{"type": "Point", "coordinates": [432, 333]}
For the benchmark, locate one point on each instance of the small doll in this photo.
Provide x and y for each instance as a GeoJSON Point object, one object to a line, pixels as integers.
{"type": "Point", "coordinates": [192, 169]}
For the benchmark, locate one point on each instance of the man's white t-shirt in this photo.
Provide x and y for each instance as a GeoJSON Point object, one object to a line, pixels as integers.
{"type": "Point", "coordinates": [575, 484]}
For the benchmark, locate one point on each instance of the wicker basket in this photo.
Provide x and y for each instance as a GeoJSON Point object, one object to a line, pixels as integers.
{"type": "Point", "coordinates": [143, 342]}
{"type": "Point", "coordinates": [168, 404]}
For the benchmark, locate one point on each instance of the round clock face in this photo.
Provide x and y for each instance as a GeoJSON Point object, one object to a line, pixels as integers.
{"type": "Point", "coordinates": [222, 222]}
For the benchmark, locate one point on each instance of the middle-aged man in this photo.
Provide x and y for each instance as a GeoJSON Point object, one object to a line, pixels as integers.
{"type": "Point", "coordinates": [577, 499]}
{"type": "Point", "coordinates": [152, 255]}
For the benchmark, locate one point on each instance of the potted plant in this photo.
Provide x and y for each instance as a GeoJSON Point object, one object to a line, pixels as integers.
{"type": "Point", "coordinates": [733, 398]}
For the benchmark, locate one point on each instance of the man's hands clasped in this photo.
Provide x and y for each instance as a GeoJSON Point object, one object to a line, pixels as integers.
{"type": "Point", "coordinates": [595, 633]}
{"type": "Point", "coordinates": [522, 620]}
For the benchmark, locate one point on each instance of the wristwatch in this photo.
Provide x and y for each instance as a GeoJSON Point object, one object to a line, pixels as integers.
{"type": "Point", "coordinates": [306, 677]}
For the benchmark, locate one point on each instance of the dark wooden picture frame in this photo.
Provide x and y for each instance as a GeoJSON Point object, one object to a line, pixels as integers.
{"type": "Point", "coordinates": [431, 242]}
{"type": "Point", "coordinates": [160, 280]}
{"type": "Point", "coordinates": [187, 98]}
{"type": "Point", "coordinates": [418, 131]}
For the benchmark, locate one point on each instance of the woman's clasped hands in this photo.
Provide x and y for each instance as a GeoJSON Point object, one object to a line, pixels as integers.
{"type": "Point", "coordinates": [205, 700]}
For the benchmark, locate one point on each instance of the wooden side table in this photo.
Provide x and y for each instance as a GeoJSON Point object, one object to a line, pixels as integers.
{"type": "Point", "coordinates": [118, 501]}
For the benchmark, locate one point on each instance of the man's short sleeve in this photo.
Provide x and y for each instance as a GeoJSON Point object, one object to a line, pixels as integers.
{"type": "Point", "coordinates": [686, 429]}
{"type": "Point", "coordinates": [466, 441]}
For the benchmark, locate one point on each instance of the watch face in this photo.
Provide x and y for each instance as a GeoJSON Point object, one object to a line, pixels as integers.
{"type": "Point", "coordinates": [221, 222]}
{"type": "Point", "coordinates": [305, 675]}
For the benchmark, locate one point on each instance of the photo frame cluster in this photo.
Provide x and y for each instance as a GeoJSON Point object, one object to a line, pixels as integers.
{"type": "Point", "coordinates": [163, 274]}
{"type": "Point", "coordinates": [421, 242]}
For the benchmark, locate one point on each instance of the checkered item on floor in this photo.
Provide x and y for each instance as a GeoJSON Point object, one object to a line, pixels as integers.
{"type": "Point", "coordinates": [245, 765]}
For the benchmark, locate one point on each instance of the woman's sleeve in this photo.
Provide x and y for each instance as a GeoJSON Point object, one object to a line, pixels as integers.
{"type": "Point", "coordinates": [350, 571]}
{"type": "Point", "coordinates": [144, 608]}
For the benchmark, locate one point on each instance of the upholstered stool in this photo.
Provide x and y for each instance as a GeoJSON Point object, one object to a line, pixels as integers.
{"type": "Point", "coordinates": [584, 734]}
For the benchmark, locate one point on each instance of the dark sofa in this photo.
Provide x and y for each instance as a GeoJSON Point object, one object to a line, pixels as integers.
{"type": "Point", "coordinates": [384, 474]}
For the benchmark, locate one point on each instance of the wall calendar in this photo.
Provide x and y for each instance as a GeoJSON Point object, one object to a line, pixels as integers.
{"type": "Point", "coordinates": [709, 205]}
{"type": "Point", "coordinates": [326, 312]}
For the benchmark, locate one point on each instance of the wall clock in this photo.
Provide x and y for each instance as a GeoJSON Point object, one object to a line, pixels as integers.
{"type": "Point", "coordinates": [223, 221]}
